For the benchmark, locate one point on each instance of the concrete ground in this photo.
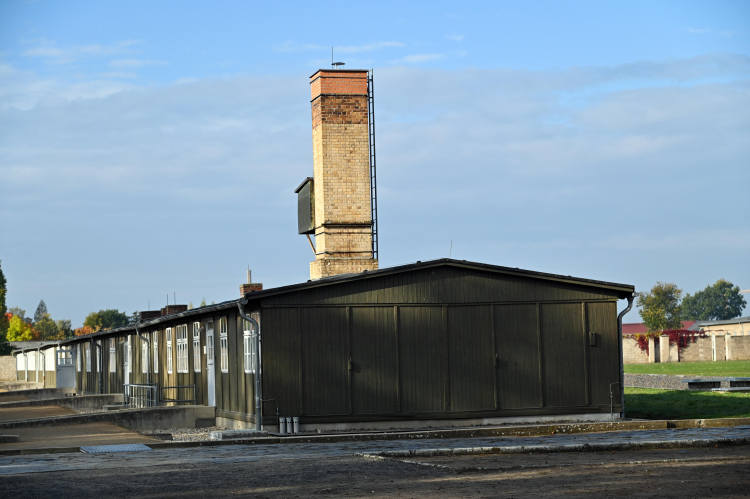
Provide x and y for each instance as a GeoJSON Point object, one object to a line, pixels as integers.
{"type": "Point", "coordinates": [57, 437]}
{"type": "Point", "coordinates": [13, 413]}
{"type": "Point", "coordinates": [713, 472]}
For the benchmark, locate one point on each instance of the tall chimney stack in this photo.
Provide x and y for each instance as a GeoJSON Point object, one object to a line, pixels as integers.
{"type": "Point", "coordinates": [341, 191]}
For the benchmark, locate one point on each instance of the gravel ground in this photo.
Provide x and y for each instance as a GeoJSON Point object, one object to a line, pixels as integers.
{"type": "Point", "coordinates": [663, 381]}
{"type": "Point", "coordinates": [185, 434]}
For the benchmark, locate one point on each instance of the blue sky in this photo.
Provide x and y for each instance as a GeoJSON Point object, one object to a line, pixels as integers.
{"type": "Point", "coordinates": [148, 148]}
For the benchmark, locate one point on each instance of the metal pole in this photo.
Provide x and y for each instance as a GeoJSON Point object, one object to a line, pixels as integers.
{"type": "Point", "coordinates": [258, 410]}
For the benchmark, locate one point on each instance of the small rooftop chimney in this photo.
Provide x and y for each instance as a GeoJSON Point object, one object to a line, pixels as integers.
{"type": "Point", "coordinates": [250, 286]}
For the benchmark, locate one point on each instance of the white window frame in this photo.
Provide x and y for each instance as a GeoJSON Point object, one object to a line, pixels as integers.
{"type": "Point", "coordinates": [169, 350]}
{"type": "Point", "coordinates": [112, 355]}
{"type": "Point", "coordinates": [182, 348]}
{"type": "Point", "coordinates": [223, 345]}
{"type": "Point", "coordinates": [155, 348]}
{"type": "Point", "coordinates": [78, 358]}
{"type": "Point", "coordinates": [248, 341]}
{"type": "Point", "coordinates": [88, 356]}
{"type": "Point", "coordinates": [130, 354]}
{"type": "Point", "coordinates": [196, 347]}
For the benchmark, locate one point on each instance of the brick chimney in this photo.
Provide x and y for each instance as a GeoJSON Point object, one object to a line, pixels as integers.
{"type": "Point", "coordinates": [250, 286]}
{"type": "Point", "coordinates": [341, 160]}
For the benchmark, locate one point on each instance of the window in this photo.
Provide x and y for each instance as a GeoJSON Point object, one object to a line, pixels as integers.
{"type": "Point", "coordinates": [78, 357]}
{"type": "Point", "coordinates": [182, 348]}
{"type": "Point", "coordinates": [144, 356]}
{"type": "Point", "coordinates": [249, 342]}
{"type": "Point", "coordinates": [130, 355]}
{"type": "Point", "coordinates": [197, 347]}
{"type": "Point", "coordinates": [223, 345]}
{"type": "Point", "coordinates": [155, 343]}
{"type": "Point", "coordinates": [169, 350]}
{"type": "Point", "coordinates": [210, 341]}
{"type": "Point", "coordinates": [112, 355]}
{"type": "Point", "coordinates": [98, 355]}
{"type": "Point", "coordinates": [88, 357]}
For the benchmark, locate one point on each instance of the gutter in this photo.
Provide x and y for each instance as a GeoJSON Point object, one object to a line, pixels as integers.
{"type": "Point", "coordinates": [619, 347]}
{"type": "Point", "coordinates": [256, 337]}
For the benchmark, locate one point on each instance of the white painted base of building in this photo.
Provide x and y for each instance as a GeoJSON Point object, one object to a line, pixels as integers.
{"type": "Point", "coordinates": [233, 424]}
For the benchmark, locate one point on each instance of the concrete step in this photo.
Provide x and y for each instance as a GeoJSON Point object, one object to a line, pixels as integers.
{"type": "Point", "coordinates": [79, 402]}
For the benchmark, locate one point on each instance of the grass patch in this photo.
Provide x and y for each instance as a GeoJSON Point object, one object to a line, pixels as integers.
{"type": "Point", "coordinates": [739, 368]}
{"type": "Point", "coordinates": [650, 403]}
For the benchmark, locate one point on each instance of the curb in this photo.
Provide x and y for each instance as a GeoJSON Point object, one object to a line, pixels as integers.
{"type": "Point", "coordinates": [543, 449]}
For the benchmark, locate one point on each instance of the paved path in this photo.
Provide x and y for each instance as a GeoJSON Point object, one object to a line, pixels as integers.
{"type": "Point", "coordinates": [245, 453]}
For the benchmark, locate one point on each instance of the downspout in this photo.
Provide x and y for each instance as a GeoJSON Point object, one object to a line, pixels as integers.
{"type": "Point", "coordinates": [258, 412]}
{"type": "Point", "coordinates": [100, 366]}
{"type": "Point", "coordinates": [44, 366]}
{"type": "Point", "coordinates": [26, 364]}
{"type": "Point", "coordinates": [38, 354]}
{"type": "Point", "coordinates": [622, 365]}
{"type": "Point", "coordinates": [148, 353]}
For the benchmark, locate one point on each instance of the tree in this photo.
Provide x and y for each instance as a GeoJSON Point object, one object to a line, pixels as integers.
{"type": "Point", "coordinates": [20, 330]}
{"type": "Point", "coordinates": [660, 307]}
{"type": "Point", "coordinates": [65, 328]}
{"type": "Point", "coordinates": [41, 311]}
{"type": "Point", "coordinates": [5, 347]}
{"type": "Point", "coordinates": [106, 319]}
{"type": "Point", "coordinates": [721, 301]}
{"type": "Point", "coordinates": [203, 302]}
{"type": "Point", "coordinates": [47, 328]}
{"type": "Point", "coordinates": [18, 311]}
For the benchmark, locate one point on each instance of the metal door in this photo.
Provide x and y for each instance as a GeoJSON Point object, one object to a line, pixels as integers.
{"type": "Point", "coordinates": [210, 362]}
{"type": "Point", "coordinates": [66, 374]}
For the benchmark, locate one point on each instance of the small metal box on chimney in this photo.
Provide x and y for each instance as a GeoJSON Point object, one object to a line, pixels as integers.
{"type": "Point", "coordinates": [306, 207]}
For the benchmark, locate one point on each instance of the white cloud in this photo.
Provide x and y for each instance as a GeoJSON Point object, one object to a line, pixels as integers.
{"type": "Point", "coordinates": [135, 63]}
{"type": "Point", "coordinates": [290, 46]}
{"type": "Point", "coordinates": [417, 58]}
{"type": "Point", "coordinates": [118, 75]}
{"type": "Point", "coordinates": [645, 175]}
{"type": "Point", "coordinates": [455, 38]}
{"type": "Point", "coordinates": [51, 53]}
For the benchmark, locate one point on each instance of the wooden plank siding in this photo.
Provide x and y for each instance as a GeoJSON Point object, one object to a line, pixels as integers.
{"type": "Point", "coordinates": [443, 342]}
{"type": "Point", "coordinates": [435, 342]}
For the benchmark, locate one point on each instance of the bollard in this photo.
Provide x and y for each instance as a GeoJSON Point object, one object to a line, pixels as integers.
{"type": "Point", "coordinates": [289, 427]}
{"type": "Point", "coordinates": [296, 424]}
{"type": "Point", "coordinates": [282, 426]}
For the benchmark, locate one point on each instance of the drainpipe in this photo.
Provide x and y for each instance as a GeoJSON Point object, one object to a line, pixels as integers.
{"type": "Point", "coordinates": [37, 365]}
{"type": "Point", "coordinates": [622, 365]}
{"type": "Point", "coordinates": [258, 412]}
{"type": "Point", "coordinates": [148, 353]}
{"type": "Point", "coordinates": [26, 364]}
{"type": "Point", "coordinates": [41, 354]}
{"type": "Point", "coordinates": [100, 366]}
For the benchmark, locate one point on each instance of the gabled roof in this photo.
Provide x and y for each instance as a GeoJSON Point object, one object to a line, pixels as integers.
{"type": "Point", "coordinates": [738, 320]}
{"type": "Point", "coordinates": [624, 290]}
